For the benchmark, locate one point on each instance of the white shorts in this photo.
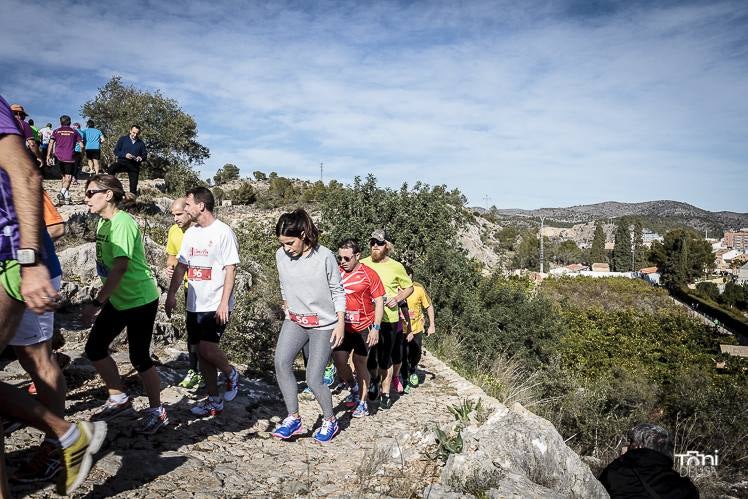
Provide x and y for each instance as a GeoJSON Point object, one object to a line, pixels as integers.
{"type": "Point", "coordinates": [36, 328]}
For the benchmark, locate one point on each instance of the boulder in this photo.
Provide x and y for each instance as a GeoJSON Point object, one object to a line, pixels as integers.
{"type": "Point", "coordinates": [79, 263]}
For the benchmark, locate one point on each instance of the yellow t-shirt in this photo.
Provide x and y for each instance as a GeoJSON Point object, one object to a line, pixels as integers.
{"type": "Point", "coordinates": [174, 240]}
{"type": "Point", "coordinates": [393, 276]}
{"type": "Point", "coordinates": [417, 302]}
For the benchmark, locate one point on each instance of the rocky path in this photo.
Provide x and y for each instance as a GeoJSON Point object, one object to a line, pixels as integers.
{"type": "Point", "coordinates": [233, 455]}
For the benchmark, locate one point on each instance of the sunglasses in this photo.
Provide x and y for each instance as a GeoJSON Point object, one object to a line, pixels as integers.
{"type": "Point", "coordinates": [345, 259]}
{"type": "Point", "coordinates": [377, 242]}
{"type": "Point", "coordinates": [90, 193]}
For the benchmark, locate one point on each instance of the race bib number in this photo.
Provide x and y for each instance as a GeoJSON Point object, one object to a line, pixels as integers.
{"type": "Point", "coordinates": [352, 316]}
{"type": "Point", "coordinates": [199, 273]}
{"type": "Point", "coordinates": [310, 320]}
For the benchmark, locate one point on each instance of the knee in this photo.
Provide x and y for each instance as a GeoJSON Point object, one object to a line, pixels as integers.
{"type": "Point", "coordinates": [95, 350]}
{"type": "Point", "coordinates": [141, 361]}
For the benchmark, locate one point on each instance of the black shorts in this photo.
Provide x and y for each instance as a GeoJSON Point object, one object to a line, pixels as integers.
{"type": "Point", "coordinates": [381, 353]}
{"type": "Point", "coordinates": [66, 167]}
{"type": "Point", "coordinates": [93, 153]}
{"type": "Point", "coordinates": [354, 341]}
{"type": "Point", "coordinates": [202, 326]}
{"type": "Point", "coordinates": [77, 158]}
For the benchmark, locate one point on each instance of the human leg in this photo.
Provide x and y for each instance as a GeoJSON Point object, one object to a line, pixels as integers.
{"type": "Point", "coordinates": [291, 340]}
{"type": "Point", "coordinates": [41, 364]}
{"type": "Point", "coordinates": [109, 323]}
{"type": "Point", "coordinates": [319, 354]}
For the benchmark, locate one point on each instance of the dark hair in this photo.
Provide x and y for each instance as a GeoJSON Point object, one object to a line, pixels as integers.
{"type": "Point", "coordinates": [136, 126]}
{"type": "Point", "coordinates": [298, 224]}
{"type": "Point", "coordinates": [351, 244]}
{"type": "Point", "coordinates": [65, 120]}
{"type": "Point", "coordinates": [408, 269]}
{"type": "Point", "coordinates": [203, 195]}
{"type": "Point", "coordinates": [90, 123]}
{"type": "Point", "coordinates": [651, 436]}
{"type": "Point", "coordinates": [31, 122]}
{"type": "Point", "coordinates": [109, 182]}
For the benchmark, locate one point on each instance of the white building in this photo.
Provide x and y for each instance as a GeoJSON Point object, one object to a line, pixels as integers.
{"type": "Point", "coordinates": [742, 274]}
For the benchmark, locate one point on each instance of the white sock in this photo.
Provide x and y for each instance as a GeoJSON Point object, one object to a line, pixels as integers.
{"type": "Point", "coordinates": [70, 436]}
{"type": "Point", "coordinates": [120, 398]}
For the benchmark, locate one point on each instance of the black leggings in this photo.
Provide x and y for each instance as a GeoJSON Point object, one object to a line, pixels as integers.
{"type": "Point", "coordinates": [132, 168]}
{"type": "Point", "coordinates": [411, 355]}
{"type": "Point", "coordinates": [110, 322]}
{"type": "Point", "coordinates": [380, 356]}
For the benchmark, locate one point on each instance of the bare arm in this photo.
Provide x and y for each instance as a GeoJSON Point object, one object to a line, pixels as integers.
{"type": "Point", "coordinates": [432, 326]}
{"type": "Point", "coordinates": [26, 185]}
{"type": "Point", "coordinates": [119, 267]}
{"type": "Point", "coordinates": [222, 314]}
{"type": "Point", "coordinates": [56, 231]}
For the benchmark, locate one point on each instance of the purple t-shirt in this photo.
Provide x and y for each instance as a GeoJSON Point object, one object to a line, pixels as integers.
{"type": "Point", "coordinates": [65, 139]}
{"type": "Point", "coordinates": [26, 130]}
{"type": "Point", "coordinates": [9, 233]}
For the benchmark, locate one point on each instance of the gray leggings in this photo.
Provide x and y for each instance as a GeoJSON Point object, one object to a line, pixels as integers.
{"type": "Point", "coordinates": [291, 340]}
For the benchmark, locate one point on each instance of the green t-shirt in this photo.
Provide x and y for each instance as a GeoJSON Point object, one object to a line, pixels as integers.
{"type": "Point", "coordinates": [393, 276]}
{"type": "Point", "coordinates": [120, 236]}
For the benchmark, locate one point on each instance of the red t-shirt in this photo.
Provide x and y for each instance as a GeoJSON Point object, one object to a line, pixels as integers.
{"type": "Point", "coordinates": [361, 287]}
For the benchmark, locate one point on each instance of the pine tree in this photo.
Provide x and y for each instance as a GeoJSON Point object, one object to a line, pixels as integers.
{"type": "Point", "coordinates": [597, 252]}
{"type": "Point", "coordinates": [640, 257]}
{"type": "Point", "coordinates": [622, 247]}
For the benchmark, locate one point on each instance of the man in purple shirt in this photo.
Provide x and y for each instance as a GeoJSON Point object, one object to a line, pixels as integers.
{"type": "Point", "coordinates": [62, 145]}
{"type": "Point", "coordinates": [24, 282]}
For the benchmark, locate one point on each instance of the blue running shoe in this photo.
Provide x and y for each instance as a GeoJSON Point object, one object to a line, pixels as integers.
{"type": "Point", "coordinates": [353, 398]}
{"type": "Point", "coordinates": [288, 428]}
{"type": "Point", "coordinates": [361, 410]}
{"type": "Point", "coordinates": [329, 377]}
{"type": "Point", "coordinates": [328, 430]}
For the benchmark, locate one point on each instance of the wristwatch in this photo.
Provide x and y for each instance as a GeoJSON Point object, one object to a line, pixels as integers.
{"type": "Point", "coordinates": [376, 327]}
{"type": "Point", "coordinates": [27, 257]}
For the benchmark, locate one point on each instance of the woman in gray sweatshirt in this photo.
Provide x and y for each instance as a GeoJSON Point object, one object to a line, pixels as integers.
{"type": "Point", "coordinates": [314, 303]}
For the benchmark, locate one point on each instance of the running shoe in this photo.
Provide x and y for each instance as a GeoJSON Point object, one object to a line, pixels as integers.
{"type": "Point", "coordinates": [288, 428]}
{"type": "Point", "coordinates": [110, 410]}
{"type": "Point", "coordinates": [351, 400]}
{"type": "Point", "coordinates": [329, 377]}
{"type": "Point", "coordinates": [373, 390]}
{"type": "Point", "coordinates": [385, 402]}
{"type": "Point", "coordinates": [327, 431]}
{"type": "Point", "coordinates": [343, 385]}
{"type": "Point", "coordinates": [413, 380]}
{"type": "Point", "coordinates": [397, 384]}
{"type": "Point", "coordinates": [207, 408]}
{"type": "Point", "coordinates": [232, 386]}
{"type": "Point", "coordinates": [32, 388]}
{"type": "Point", "coordinates": [78, 458]}
{"type": "Point", "coordinates": [155, 418]}
{"type": "Point", "coordinates": [43, 466]}
{"type": "Point", "coordinates": [190, 380]}
{"type": "Point", "coordinates": [361, 410]}
{"type": "Point", "coordinates": [407, 389]}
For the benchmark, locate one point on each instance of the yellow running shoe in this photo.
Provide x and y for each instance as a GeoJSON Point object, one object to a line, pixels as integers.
{"type": "Point", "coordinates": [78, 458]}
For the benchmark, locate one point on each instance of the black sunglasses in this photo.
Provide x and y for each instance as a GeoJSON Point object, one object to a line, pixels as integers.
{"type": "Point", "coordinates": [90, 193]}
{"type": "Point", "coordinates": [377, 242]}
{"type": "Point", "coordinates": [345, 258]}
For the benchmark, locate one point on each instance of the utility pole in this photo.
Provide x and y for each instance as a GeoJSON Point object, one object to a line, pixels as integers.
{"type": "Point", "coordinates": [321, 169]}
{"type": "Point", "coordinates": [542, 221]}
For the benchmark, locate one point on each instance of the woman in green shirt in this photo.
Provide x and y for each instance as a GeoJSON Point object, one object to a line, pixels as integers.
{"type": "Point", "coordinates": [128, 299]}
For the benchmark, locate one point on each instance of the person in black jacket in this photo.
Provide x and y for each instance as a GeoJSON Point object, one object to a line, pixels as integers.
{"type": "Point", "coordinates": [645, 469]}
{"type": "Point", "coordinates": [130, 152]}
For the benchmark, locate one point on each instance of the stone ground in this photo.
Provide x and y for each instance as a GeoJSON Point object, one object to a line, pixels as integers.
{"type": "Point", "coordinates": [233, 455]}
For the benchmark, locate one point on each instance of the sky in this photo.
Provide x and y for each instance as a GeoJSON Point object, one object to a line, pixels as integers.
{"type": "Point", "coordinates": [524, 104]}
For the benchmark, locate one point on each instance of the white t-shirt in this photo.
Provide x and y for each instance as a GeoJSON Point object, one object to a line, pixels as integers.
{"type": "Point", "coordinates": [206, 251]}
{"type": "Point", "coordinates": [46, 134]}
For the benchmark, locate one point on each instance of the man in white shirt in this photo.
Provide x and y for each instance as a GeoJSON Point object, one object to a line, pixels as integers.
{"type": "Point", "coordinates": [208, 255]}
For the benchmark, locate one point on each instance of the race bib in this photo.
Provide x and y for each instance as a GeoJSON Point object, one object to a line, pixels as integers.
{"type": "Point", "coordinates": [352, 316]}
{"type": "Point", "coordinates": [199, 273]}
{"type": "Point", "coordinates": [310, 320]}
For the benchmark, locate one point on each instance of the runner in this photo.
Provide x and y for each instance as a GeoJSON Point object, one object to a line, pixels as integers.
{"type": "Point", "coordinates": [28, 132]}
{"type": "Point", "coordinates": [182, 222]}
{"type": "Point", "coordinates": [32, 346]}
{"type": "Point", "coordinates": [35, 129]}
{"type": "Point", "coordinates": [78, 152]}
{"type": "Point", "coordinates": [62, 147]}
{"type": "Point", "coordinates": [398, 287]}
{"type": "Point", "coordinates": [93, 139]}
{"type": "Point", "coordinates": [209, 256]}
{"type": "Point", "coordinates": [45, 134]}
{"type": "Point", "coordinates": [24, 279]}
{"type": "Point", "coordinates": [314, 302]}
{"type": "Point", "coordinates": [364, 306]}
{"type": "Point", "coordinates": [128, 299]}
{"type": "Point", "coordinates": [413, 344]}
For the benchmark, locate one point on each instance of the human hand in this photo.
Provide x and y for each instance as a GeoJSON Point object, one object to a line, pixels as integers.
{"type": "Point", "coordinates": [222, 314]}
{"type": "Point", "coordinates": [410, 337]}
{"type": "Point", "coordinates": [337, 334]}
{"type": "Point", "coordinates": [138, 159]}
{"type": "Point", "coordinates": [373, 338]}
{"type": "Point", "coordinates": [37, 290]}
{"type": "Point", "coordinates": [431, 330]}
{"type": "Point", "coordinates": [128, 156]}
{"type": "Point", "coordinates": [169, 304]}
{"type": "Point", "coordinates": [392, 302]}
{"type": "Point", "coordinates": [169, 271]}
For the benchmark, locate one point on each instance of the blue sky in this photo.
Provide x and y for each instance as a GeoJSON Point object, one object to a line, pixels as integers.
{"type": "Point", "coordinates": [518, 104]}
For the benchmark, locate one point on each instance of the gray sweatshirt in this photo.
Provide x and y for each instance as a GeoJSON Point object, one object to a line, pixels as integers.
{"type": "Point", "coordinates": [311, 286]}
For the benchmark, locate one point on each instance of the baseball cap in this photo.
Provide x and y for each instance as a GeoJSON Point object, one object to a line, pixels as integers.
{"type": "Point", "coordinates": [17, 108]}
{"type": "Point", "coordinates": [380, 235]}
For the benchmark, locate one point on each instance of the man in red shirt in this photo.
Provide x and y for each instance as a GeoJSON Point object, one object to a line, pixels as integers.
{"type": "Point", "coordinates": [364, 306]}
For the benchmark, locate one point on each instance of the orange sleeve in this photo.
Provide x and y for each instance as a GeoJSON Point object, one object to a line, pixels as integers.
{"type": "Point", "coordinates": [51, 215]}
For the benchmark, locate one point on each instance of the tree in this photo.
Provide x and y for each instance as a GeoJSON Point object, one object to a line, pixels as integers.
{"type": "Point", "coordinates": [226, 174]}
{"type": "Point", "coordinates": [682, 257]}
{"type": "Point", "coordinates": [568, 252]}
{"type": "Point", "coordinates": [597, 252]}
{"type": "Point", "coordinates": [259, 175]}
{"type": "Point", "coordinates": [640, 256]}
{"type": "Point", "coordinates": [527, 255]}
{"type": "Point", "coordinates": [244, 194]}
{"type": "Point", "coordinates": [622, 247]}
{"type": "Point", "coordinates": [708, 290]}
{"type": "Point", "coordinates": [169, 133]}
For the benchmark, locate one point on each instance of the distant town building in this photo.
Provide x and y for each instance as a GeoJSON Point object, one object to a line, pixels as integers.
{"type": "Point", "coordinates": [742, 275]}
{"type": "Point", "coordinates": [648, 237]}
{"type": "Point", "coordinates": [600, 267]}
{"type": "Point", "coordinates": [737, 240]}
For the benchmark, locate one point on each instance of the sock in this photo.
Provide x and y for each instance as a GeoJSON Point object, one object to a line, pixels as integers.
{"type": "Point", "coordinates": [120, 398]}
{"type": "Point", "coordinates": [70, 436]}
